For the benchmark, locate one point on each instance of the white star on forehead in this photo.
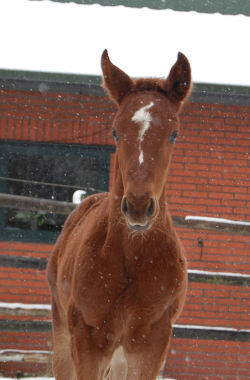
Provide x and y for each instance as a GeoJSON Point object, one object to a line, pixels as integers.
{"type": "Point", "coordinates": [143, 117]}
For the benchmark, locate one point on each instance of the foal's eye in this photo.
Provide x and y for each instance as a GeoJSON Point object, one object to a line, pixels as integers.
{"type": "Point", "coordinates": [115, 134]}
{"type": "Point", "coordinates": [173, 136]}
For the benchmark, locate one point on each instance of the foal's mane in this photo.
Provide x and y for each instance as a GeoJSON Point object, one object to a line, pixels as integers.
{"type": "Point", "coordinates": [161, 85]}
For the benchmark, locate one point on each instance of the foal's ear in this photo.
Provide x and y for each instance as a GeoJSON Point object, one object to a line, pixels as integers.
{"type": "Point", "coordinates": [115, 81]}
{"type": "Point", "coordinates": [178, 83]}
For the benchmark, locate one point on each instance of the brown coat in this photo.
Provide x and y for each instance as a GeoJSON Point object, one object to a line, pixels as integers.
{"type": "Point", "coordinates": [118, 273]}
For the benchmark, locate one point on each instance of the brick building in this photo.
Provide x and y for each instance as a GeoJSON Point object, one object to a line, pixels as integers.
{"type": "Point", "coordinates": [55, 137]}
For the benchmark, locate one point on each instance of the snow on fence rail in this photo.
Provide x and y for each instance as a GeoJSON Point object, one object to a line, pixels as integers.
{"type": "Point", "coordinates": [219, 224]}
{"type": "Point", "coordinates": [180, 331]}
{"type": "Point", "coordinates": [64, 208]}
{"type": "Point", "coordinates": [193, 274]}
{"type": "Point", "coordinates": [34, 204]}
{"type": "Point", "coordinates": [22, 309]}
{"type": "Point", "coordinates": [12, 355]}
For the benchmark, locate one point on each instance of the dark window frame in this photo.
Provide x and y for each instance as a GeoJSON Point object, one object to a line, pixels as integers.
{"type": "Point", "coordinates": [101, 152]}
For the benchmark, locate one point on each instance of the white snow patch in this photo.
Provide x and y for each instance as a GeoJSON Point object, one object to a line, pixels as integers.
{"type": "Point", "coordinates": [15, 305]}
{"type": "Point", "coordinates": [144, 118]}
{"type": "Point", "coordinates": [18, 355]}
{"type": "Point", "coordinates": [196, 271]}
{"type": "Point", "coordinates": [78, 196]}
{"type": "Point", "coordinates": [216, 220]}
{"type": "Point", "coordinates": [9, 350]}
{"type": "Point", "coordinates": [200, 327]}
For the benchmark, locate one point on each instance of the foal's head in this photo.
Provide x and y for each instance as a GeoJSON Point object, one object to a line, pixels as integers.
{"type": "Point", "coordinates": [145, 128]}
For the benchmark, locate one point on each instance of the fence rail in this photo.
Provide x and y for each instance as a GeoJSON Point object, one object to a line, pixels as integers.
{"type": "Point", "coordinates": [179, 331]}
{"type": "Point", "coordinates": [64, 208]}
{"type": "Point", "coordinates": [223, 278]}
{"type": "Point", "coordinates": [25, 356]}
{"type": "Point", "coordinates": [34, 204]}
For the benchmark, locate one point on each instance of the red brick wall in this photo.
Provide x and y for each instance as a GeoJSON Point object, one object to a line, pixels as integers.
{"type": "Point", "coordinates": [188, 359]}
{"type": "Point", "coordinates": [221, 252]}
{"type": "Point", "coordinates": [25, 341]}
{"type": "Point", "coordinates": [206, 304]}
{"type": "Point", "coordinates": [209, 176]}
{"type": "Point", "coordinates": [209, 172]}
{"type": "Point", "coordinates": [22, 284]}
{"type": "Point", "coordinates": [191, 359]}
{"type": "Point", "coordinates": [61, 118]}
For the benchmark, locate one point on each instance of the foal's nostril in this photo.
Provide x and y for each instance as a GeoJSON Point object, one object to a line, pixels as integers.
{"type": "Point", "coordinates": [151, 207]}
{"type": "Point", "coordinates": [124, 205]}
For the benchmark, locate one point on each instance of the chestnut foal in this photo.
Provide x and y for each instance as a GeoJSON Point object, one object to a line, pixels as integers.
{"type": "Point", "coordinates": [118, 273]}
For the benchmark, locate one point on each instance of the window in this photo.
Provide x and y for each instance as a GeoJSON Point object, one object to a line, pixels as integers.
{"type": "Point", "coordinates": [50, 171]}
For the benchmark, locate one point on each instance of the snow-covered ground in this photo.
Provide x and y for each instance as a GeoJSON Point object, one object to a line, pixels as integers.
{"type": "Point", "coordinates": [29, 378]}
{"type": "Point", "coordinates": [68, 37]}
{"type": "Point", "coordinates": [49, 378]}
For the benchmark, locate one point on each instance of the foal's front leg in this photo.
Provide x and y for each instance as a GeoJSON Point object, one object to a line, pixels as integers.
{"type": "Point", "coordinates": [146, 350]}
{"type": "Point", "coordinates": [89, 361]}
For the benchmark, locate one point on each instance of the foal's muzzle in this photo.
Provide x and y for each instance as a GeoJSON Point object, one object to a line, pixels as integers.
{"type": "Point", "coordinates": [138, 211]}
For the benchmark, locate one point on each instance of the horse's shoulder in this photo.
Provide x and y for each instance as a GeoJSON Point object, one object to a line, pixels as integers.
{"type": "Point", "coordinates": [83, 209]}
{"type": "Point", "coordinates": [75, 217]}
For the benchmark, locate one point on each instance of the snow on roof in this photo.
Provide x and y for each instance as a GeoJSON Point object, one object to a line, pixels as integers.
{"type": "Point", "coordinates": [69, 38]}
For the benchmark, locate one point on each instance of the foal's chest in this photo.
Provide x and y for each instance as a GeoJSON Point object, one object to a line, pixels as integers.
{"type": "Point", "coordinates": [127, 284]}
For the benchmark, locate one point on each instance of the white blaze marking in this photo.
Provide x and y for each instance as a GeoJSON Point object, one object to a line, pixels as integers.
{"type": "Point", "coordinates": [143, 117]}
{"type": "Point", "coordinates": [141, 156]}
